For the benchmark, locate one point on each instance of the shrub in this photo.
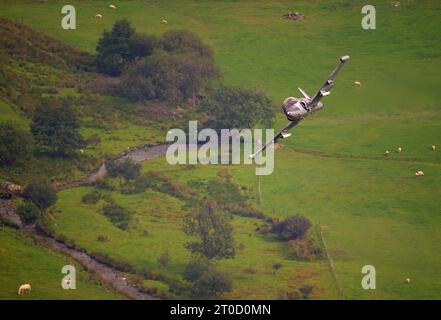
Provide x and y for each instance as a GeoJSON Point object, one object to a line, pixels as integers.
{"type": "Point", "coordinates": [118, 215]}
{"type": "Point", "coordinates": [164, 259]}
{"type": "Point", "coordinates": [28, 212]}
{"type": "Point", "coordinates": [212, 284]}
{"type": "Point", "coordinates": [250, 270]}
{"type": "Point", "coordinates": [228, 107]}
{"type": "Point", "coordinates": [103, 184]}
{"type": "Point", "coordinates": [306, 291]}
{"type": "Point", "coordinates": [55, 128]}
{"type": "Point", "coordinates": [102, 238]}
{"type": "Point", "coordinates": [126, 168]}
{"type": "Point", "coordinates": [214, 230]}
{"type": "Point", "coordinates": [195, 269]}
{"type": "Point", "coordinates": [276, 267]}
{"type": "Point", "coordinates": [92, 197]}
{"type": "Point", "coordinates": [16, 144]}
{"type": "Point", "coordinates": [304, 249]}
{"type": "Point", "coordinates": [292, 228]}
{"type": "Point", "coordinates": [40, 194]}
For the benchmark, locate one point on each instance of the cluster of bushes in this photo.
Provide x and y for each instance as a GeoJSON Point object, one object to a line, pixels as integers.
{"type": "Point", "coordinates": [175, 67]}
{"type": "Point", "coordinates": [303, 244]}
{"type": "Point", "coordinates": [160, 183]}
{"type": "Point", "coordinates": [303, 292]}
{"type": "Point", "coordinates": [229, 196]}
{"type": "Point", "coordinates": [207, 282]}
{"type": "Point", "coordinates": [118, 215]}
{"type": "Point", "coordinates": [92, 197]}
{"type": "Point", "coordinates": [37, 198]}
{"type": "Point", "coordinates": [126, 168]}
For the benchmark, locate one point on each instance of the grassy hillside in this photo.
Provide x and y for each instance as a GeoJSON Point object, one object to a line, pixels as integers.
{"type": "Point", "coordinates": [372, 209]}
{"type": "Point", "coordinates": [42, 269]}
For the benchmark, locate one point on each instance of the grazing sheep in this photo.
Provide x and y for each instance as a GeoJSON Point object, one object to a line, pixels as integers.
{"type": "Point", "coordinates": [164, 21]}
{"type": "Point", "coordinates": [407, 280]}
{"type": "Point", "coordinates": [82, 151]}
{"type": "Point", "coordinates": [112, 6]}
{"type": "Point", "coordinates": [23, 288]}
{"type": "Point", "coordinates": [357, 84]}
{"type": "Point", "coordinates": [386, 153]}
{"type": "Point", "coordinates": [98, 16]}
{"type": "Point", "coordinates": [433, 147]}
{"type": "Point", "coordinates": [399, 149]}
{"type": "Point", "coordinates": [419, 173]}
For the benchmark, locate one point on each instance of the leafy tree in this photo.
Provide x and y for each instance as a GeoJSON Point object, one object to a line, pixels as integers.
{"type": "Point", "coordinates": [55, 129]}
{"type": "Point", "coordinates": [113, 49]}
{"type": "Point", "coordinates": [179, 71]}
{"type": "Point", "coordinates": [292, 228]}
{"type": "Point", "coordinates": [28, 212]}
{"type": "Point", "coordinates": [235, 107]}
{"type": "Point", "coordinates": [42, 195]}
{"type": "Point", "coordinates": [16, 144]}
{"type": "Point", "coordinates": [213, 229]}
{"type": "Point", "coordinates": [171, 76]}
{"type": "Point", "coordinates": [212, 284]}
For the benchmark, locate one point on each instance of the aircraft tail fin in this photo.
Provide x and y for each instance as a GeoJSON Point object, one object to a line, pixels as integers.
{"type": "Point", "coordinates": [304, 93]}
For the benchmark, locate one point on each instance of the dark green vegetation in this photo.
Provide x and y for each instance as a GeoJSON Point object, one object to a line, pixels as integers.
{"type": "Point", "coordinates": [372, 209]}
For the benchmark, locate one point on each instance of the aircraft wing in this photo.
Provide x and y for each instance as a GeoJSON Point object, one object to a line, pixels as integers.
{"type": "Point", "coordinates": [329, 83]}
{"type": "Point", "coordinates": [289, 126]}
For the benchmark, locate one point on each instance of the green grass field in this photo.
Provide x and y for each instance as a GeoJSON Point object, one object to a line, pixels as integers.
{"type": "Point", "coordinates": [373, 210]}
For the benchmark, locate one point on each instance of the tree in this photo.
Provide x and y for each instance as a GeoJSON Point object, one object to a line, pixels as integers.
{"type": "Point", "coordinates": [235, 107]}
{"type": "Point", "coordinates": [16, 144]}
{"type": "Point", "coordinates": [292, 228]}
{"type": "Point", "coordinates": [213, 229]}
{"type": "Point", "coordinates": [42, 195]}
{"type": "Point", "coordinates": [113, 49]}
{"type": "Point", "coordinates": [212, 284]}
{"type": "Point", "coordinates": [28, 212]}
{"type": "Point", "coordinates": [55, 129]}
{"type": "Point", "coordinates": [169, 75]}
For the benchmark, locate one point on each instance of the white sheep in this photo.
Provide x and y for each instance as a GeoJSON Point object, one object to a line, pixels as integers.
{"type": "Point", "coordinates": [23, 288]}
{"type": "Point", "coordinates": [164, 21]}
{"type": "Point", "coordinates": [433, 147]}
{"type": "Point", "coordinates": [407, 280]}
{"type": "Point", "coordinates": [98, 16]}
{"type": "Point", "coordinates": [386, 153]}
{"type": "Point", "coordinates": [419, 173]}
{"type": "Point", "coordinates": [399, 149]}
{"type": "Point", "coordinates": [112, 6]}
{"type": "Point", "coordinates": [357, 83]}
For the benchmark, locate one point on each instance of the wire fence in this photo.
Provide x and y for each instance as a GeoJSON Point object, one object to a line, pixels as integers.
{"type": "Point", "coordinates": [331, 263]}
